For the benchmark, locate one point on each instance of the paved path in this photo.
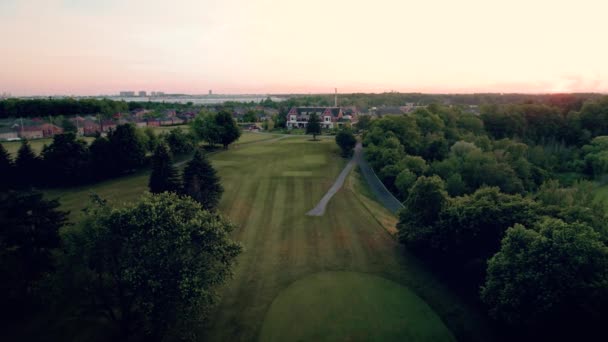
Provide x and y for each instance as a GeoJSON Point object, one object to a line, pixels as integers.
{"type": "Point", "coordinates": [381, 193]}
{"type": "Point", "coordinates": [319, 210]}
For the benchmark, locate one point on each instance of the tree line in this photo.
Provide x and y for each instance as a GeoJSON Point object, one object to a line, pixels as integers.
{"type": "Point", "coordinates": [70, 161]}
{"type": "Point", "coordinates": [149, 270]}
{"type": "Point", "coordinates": [29, 108]}
{"type": "Point", "coordinates": [502, 204]}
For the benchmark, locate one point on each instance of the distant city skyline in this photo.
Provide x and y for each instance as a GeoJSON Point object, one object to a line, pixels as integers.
{"type": "Point", "coordinates": [87, 47]}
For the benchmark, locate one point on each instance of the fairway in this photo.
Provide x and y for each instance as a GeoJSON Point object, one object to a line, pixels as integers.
{"type": "Point", "coordinates": [269, 185]}
{"type": "Point", "coordinates": [333, 306]}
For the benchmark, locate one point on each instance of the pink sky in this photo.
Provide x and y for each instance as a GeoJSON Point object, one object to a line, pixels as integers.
{"type": "Point", "coordinates": [87, 47]}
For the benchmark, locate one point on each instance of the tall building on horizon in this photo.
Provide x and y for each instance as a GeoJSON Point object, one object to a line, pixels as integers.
{"type": "Point", "coordinates": [127, 93]}
{"type": "Point", "coordinates": [142, 93]}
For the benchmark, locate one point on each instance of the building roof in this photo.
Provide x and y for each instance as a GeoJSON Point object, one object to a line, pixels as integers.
{"type": "Point", "coordinates": [333, 111]}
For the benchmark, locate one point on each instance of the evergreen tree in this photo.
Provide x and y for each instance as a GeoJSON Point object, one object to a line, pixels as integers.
{"type": "Point", "coordinates": [29, 231]}
{"type": "Point", "coordinates": [313, 126]}
{"type": "Point", "coordinates": [164, 175]}
{"type": "Point", "coordinates": [201, 181]}
{"type": "Point", "coordinates": [27, 166]}
{"type": "Point", "coordinates": [6, 169]}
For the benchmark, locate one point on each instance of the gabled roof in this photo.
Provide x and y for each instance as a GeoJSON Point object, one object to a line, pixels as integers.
{"type": "Point", "coordinates": [322, 111]}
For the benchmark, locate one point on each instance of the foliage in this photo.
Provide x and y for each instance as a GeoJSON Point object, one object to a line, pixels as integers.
{"type": "Point", "coordinates": [205, 129]}
{"type": "Point", "coordinates": [347, 141]}
{"type": "Point", "coordinates": [179, 141]}
{"type": "Point", "coordinates": [152, 267]}
{"type": "Point", "coordinates": [229, 130]}
{"type": "Point", "coordinates": [7, 169]}
{"type": "Point", "coordinates": [164, 176]}
{"type": "Point", "coordinates": [66, 160]}
{"type": "Point", "coordinates": [426, 200]}
{"type": "Point", "coordinates": [127, 148]}
{"type": "Point", "coordinates": [201, 181]}
{"type": "Point", "coordinates": [554, 276]}
{"type": "Point", "coordinates": [27, 167]}
{"type": "Point", "coordinates": [217, 128]}
{"type": "Point", "coordinates": [313, 126]}
{"type": "Point", "coordinates": [363, 123]}
{"type": "Point", "coordinates": [29, 232]}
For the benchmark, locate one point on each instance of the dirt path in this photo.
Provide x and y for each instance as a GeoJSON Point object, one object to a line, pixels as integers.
{"type": "Point", "coordinates": [319, 210]}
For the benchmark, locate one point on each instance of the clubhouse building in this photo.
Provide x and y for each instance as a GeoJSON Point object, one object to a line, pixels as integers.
{"type": "Point", "coordinates": [330, 117]}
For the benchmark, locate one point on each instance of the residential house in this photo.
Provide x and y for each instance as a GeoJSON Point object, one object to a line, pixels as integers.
{"type": "Point", "coordinates": [8, 134]}
{"type": "Point", "coordinates": [108, 125]}
{"type": "Point", "coordinates": [90, 127]}
{"type": "Point", "coordinates": [31, 132]}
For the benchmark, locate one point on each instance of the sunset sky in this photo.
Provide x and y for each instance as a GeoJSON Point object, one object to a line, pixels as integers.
{"type": "Point", "coordinates": [88, 47]}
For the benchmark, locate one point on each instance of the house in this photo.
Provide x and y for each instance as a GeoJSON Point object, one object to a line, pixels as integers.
{"type": "Point", "coordinates": [153, 122]}
{"type": "Point", "coordinates": [141, 113]}
{"type": "Point", "coordinates": [44, 130]}
{"type": "Point", "coordinates": [330, 117]}
{"type": "Point", "coordinates": [49, 130]}
{"type": "Point", "coordinates": [8, 134]}
{"type": "Point", "coordinates": [31, 132]}
{"type": "Point", "coordinates": [108, 125]}
{"type": "Point", "coordinates": [90, 127]}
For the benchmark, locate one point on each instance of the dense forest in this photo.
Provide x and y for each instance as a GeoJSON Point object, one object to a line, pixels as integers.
{"type": "Point", "coordinates": [502, 204]}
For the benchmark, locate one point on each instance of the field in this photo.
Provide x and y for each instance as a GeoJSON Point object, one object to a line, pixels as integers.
{"type": "Point", "coordinates": [340, 276]}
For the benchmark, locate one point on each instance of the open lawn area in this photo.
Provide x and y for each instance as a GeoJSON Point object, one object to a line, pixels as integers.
{"type": "Point", "coordinates": [37, 144]}
{"type": "Point", "coordinates": [340, 276]}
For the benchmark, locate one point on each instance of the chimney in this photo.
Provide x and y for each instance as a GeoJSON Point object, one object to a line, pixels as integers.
{"type": "Point", "coordinates": [336, 98]}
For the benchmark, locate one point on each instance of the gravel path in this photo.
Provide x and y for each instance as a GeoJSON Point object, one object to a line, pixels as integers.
{"type": "Point", "coordinates": [319, 210]}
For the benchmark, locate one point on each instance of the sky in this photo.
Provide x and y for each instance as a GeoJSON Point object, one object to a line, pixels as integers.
{"type": "Point", "coordinates": [89, 47]}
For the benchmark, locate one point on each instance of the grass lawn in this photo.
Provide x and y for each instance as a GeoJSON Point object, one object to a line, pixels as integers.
{"type": "Point", "coordinates": [351, 306]}
{"type": "Point", "coordinates": [294, 264]}
{"type": "Point", "coordinates": [37, 144]}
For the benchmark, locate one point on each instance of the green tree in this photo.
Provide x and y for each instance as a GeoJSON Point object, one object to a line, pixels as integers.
{"type": "Point", "coordinates": [154, 266]}
{"type": "Point", "coordinates": [179, 141]}
{"type": "Point", "coordinates": [364, 123]}
{"type": "Point", "coordinates": [128, 150]}
{"type": "Point", "coordinates": [229, 130]}
{"type": "Point", "coordinates": [205, 128]}
{"type": "Point", "coordinates": [427, 198]}
{"type": "Point", "coordinates": [7, 169]}
{"type": "Point", "coordinates": [164, 176]}
{"type": "Point", "coordinates": [404, 181]}
{"type": "Point", "coordinates": [201, 181]}
{"type": "Point", "coordinates": [313, 126]}
{"type": "Point", "coordinates": [66, 159]}
{"type": "Point", "coordinates": [29, 232]}
{"type": "Point", "coordinates": [152, 139]}
{"type": "Point", "coordinates": [68, 126]}
{"type": "Point", "coordinates": [27, 166]}
{"type": "Point", "coordinates": [102, 159]}
{"type": "Point", "coordinates": [347, 141]}
{"type": "Point", "coordinates": [552, 279]}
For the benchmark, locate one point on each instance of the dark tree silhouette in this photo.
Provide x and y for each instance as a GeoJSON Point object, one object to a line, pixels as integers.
{"type": "Point", "coordinates": [201, 181]}
{"type": "Point", "coordinates": [164, 175]}
{"type": "Point", "coordinates": [313, 126]}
